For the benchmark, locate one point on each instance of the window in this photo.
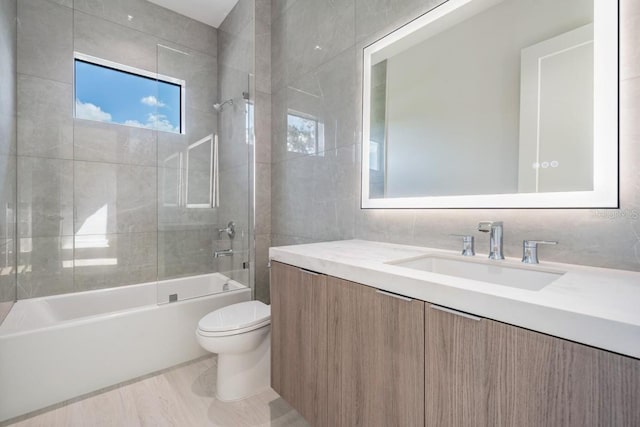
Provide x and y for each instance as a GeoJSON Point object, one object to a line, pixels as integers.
{"type": "Point", "coordinates": [113, 93]}
{"type": "Point", "coordinates": [304, 134]}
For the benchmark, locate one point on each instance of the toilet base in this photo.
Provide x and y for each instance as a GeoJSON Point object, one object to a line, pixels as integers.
{"type": "Point", "coordinates": [243, 375]}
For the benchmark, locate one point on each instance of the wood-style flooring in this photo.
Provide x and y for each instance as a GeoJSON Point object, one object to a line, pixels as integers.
{"type": "Point", "coordinates": [182, 396]}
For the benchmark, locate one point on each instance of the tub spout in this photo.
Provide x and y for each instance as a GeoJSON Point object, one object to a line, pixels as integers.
{"type": "Point", "coordinates": [224, 252]}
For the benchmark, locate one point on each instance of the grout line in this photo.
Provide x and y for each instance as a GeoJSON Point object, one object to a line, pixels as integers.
{"type": "Point", "coordinates": [35, 76]}
{"type": "Point", "coordinates": [29, 156]}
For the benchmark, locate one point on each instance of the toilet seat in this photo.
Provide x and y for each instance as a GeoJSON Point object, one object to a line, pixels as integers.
{"type": "Point", "coordinates": [234, 331]}
{"type": "Point", "coordinates": [235, 319]}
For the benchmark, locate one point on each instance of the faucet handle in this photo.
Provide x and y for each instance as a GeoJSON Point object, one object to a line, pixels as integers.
{"type": "Point", "coordinates": [530, 250]}
{"type": "Point", "coordinates": [539, 242]}
{"type": "Point", "coordinates": [486, 226]}
{"type": "Point", "coordinates": [230, 229]}
{"type": "Point", "coordinates": [467, 244]}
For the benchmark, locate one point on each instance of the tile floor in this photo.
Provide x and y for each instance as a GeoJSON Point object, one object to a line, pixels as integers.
{"type": "Point", "coordinates": [182, 396]}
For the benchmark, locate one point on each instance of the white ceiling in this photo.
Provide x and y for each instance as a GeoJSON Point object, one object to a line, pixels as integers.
{"type": "Point", "coordinates": [211, 12]}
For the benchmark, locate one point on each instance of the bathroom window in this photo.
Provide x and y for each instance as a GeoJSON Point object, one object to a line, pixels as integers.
{"type": "Point", "coordinates": [305, 134]}
{"type": "Point", "coordinates": [113, 93]}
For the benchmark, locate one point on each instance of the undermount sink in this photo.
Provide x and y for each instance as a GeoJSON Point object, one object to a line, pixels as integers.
{"type": "Point", "coordinates": [483, 271]}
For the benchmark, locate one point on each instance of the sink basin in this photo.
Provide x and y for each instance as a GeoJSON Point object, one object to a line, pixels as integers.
{"type": "Point", "coordinates": [483, 271]}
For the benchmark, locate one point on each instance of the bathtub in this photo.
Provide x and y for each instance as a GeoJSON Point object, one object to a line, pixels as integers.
{"type": "Point", "coordinates": [56, 348]}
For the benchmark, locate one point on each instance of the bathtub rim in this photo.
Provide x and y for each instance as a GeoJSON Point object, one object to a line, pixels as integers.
{"type": "Point", "coordinates": [83, 320]}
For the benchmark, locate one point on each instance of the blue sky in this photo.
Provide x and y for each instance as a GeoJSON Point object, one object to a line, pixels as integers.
{"type": "Point", "coordinates": [112, 96]}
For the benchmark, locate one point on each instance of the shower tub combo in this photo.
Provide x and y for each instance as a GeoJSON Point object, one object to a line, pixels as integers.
{"type": "Point", "coordinates": [56, 348]}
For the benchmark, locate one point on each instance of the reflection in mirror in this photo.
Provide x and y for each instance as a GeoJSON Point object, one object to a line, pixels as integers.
{"type": "Point", "coordinates": [200, 188]}
{"type": "Point", "coordinates": [494, 103]}
{"type": "Point", "coordinates": [556, 114]}
{"type": "Point", "coordinates": [200, 174]}
{"type": "Point", "coordinates": [172, 180]}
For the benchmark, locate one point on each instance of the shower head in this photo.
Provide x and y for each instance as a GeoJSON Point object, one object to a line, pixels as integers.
{"type": "Point", "coordinates": [219, 107]}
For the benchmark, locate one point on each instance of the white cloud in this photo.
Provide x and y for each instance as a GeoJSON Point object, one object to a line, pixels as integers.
{"type": "Point", "coordinates": [152, 101]}
{"type": "Point", "coordinates": [155, 122]}
{"type": "Point", "coordinates": [88, 111]}
{"type": "Point", "coordinates": [160, 122]}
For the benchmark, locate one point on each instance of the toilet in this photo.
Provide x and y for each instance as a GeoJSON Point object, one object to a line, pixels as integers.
{"type": "Point", "coordinates": [240, 335]}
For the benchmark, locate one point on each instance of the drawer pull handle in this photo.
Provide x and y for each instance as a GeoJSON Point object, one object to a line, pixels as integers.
{"type": "Point", "coordinates": [313, 273]}
{"type": "Point", "coordinates": [455, 312]}
{"type": "Point", "coordinates": [389, 294]}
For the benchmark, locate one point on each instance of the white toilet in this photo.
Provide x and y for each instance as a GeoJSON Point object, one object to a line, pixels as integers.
{"type": "Point", "coordinates": [240, 335]}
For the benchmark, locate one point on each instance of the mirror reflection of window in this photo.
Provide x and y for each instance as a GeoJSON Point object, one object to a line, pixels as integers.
{"type": "Point", "coordinates": [200, 174]}
{"type": "Point", "coordinates": [172, 180]}
{"type": "Point", "coordinates": [305, 134]}
{"type": "Point", "coordinates": [190, 177]}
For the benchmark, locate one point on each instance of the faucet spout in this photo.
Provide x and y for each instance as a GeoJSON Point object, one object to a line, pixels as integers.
{"type": "Point", "coordinates": [495, 230]}
{"type": "Point", "coordinates": [222, 253]}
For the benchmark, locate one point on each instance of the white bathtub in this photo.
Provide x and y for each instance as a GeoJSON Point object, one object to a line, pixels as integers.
{"type": "Point", "coordinates": [55, 348]}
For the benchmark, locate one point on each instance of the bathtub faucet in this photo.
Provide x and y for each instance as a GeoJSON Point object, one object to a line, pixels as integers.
{"type": "Point", "coordinates": [230, 229]}
{"type": "Point", "coordinates": [224, 252]}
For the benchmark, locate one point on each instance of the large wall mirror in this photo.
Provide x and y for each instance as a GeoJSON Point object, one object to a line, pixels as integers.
{"type": "Point", "coordinates": [494, 104]}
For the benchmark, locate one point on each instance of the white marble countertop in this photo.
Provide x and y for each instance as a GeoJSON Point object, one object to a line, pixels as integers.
{"type": "Point", "coordinates": [595, 306]}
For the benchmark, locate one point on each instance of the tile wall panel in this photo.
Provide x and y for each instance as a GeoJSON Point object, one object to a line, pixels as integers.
{"type": "Point", "coordinates": [262, 147]}
{"type": "Point", "coordinates": [45, 40]}
{"type": "Point", "coordinates": [45, 197]}
{"type": "Point", "coordinates": [45, 266]}
{"type": "Point", "coordinates": [45, 123]}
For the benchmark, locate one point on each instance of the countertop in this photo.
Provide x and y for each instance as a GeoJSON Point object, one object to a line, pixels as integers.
{"type": "Point", "coordinates": [595, 306]}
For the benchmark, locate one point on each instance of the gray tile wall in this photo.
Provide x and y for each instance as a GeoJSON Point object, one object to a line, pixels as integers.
{"type": "Point", "coordinates": [262, 147]}
{"type": "Point", "coordinates": [8, 89]}
{"type": "Point", "coordinates": [89, 215]}
{"type": "Point", "coordinates": [316, 66]}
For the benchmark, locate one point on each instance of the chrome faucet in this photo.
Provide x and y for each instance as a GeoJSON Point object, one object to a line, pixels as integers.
{"type": "Point", "coordinates": [467, 244]}
{"type": "Point", "coordinates": [494, 228]}
{"type": "Point", "coordinates": [223, 252]}
{"type": "Point", "coordinates": [230, 229]}
{"type": "Point", "coordinates": [530, 250]}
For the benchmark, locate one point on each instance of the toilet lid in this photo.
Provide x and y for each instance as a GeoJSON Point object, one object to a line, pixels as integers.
{"type": "Point", "coordinates": [236, 316]}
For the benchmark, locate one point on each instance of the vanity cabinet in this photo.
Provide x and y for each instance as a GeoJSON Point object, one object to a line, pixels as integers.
{"type": "Point", "coordinates": [346, 354]}
{"type": "Point", "coordinates": [455, 368]}
{"type": "Point", "coordinates": [299, 340]}
{"type": "Point", "coordinates": [485, 373]}
{"type": "Point", "coordinates": [539, 380]}
{"type": "Point", "coordinates": [376, 357]}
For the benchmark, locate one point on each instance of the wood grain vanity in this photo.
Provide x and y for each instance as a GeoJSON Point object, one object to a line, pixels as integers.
{"type": "Point", "coordinates": [346, 354]}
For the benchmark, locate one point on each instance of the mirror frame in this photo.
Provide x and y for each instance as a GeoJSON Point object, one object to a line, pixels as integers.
{"type": "Point", "coordinates": [606, 113]}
